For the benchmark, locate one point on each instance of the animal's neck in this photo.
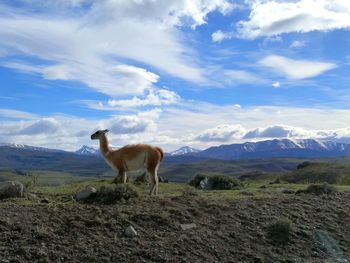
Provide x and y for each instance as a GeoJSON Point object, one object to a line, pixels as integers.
{"type": "Point", "coordinates": [104, 144]}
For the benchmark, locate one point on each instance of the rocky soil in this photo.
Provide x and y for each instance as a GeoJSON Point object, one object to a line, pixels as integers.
{"type": "Point", "coordinates": [230, 230]}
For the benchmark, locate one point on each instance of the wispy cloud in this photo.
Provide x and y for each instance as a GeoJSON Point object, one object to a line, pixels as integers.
{"type": "Point", "coordinates": [189, 123]}
{"type": "Point", "coordinates": [154, 98]}
{"type": "Point", "coordinates": [219, 36]}
{"type": "Point", "coordinates": [222, 133]}
{"type": "Point", "coordinates": [271, 18]}
{"type": "Point", "coordinates": [296, 69]}
{"type": "Point", "coordinates": [297, 44]}
{"type": "Point", "coordinates": [276, 84]}
{"type": "Point", "coordinates": [92, 45]}
{"type": "Point", "coordinates": [16, 114]}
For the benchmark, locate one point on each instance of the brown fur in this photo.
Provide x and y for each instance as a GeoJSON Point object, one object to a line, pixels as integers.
{"type": "Point", "coordinates": [123, 159]}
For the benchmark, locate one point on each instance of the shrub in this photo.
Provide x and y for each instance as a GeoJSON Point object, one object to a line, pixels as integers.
{"type": "Point", "coordinates": [280, 231]}
{"type": "Point", "coordinates": [217, 182]}
{"type": "Point", "coordinates": [30, 181]}
{"type": "Point", "coordinates": [318, 189]}
{"type": "Point", "coordinates": [316, 173]}
{"type": "Point", "coordinates": [197, 179]}
{"type": "Point", "coordinates": [345, 180]}
{"type": "Point", "coordinates": [112, 193]}
{"type": "Point", "coordinates": [304, 164]}
{"type": "Point", "coordinates": [141, 179]}
{"type": "Point", "coordinates": [223, 182]}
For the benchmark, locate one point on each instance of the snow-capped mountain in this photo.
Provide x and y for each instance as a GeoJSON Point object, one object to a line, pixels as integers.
{"type": "Point", "coordinates": [308, 148]}
{"type": "Point", "coordinates": [184, 150]}
{"type": "Point", "coordinates": [28, 147]}
{"type": "Point", "coordinates": [87, 150]}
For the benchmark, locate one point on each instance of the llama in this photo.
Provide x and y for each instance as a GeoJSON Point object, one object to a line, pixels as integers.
{"type": "Point", "coordinates": [131, 158]}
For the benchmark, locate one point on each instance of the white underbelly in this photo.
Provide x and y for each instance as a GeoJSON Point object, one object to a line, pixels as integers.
{"type": "Point", "coordinates": [138, 163]}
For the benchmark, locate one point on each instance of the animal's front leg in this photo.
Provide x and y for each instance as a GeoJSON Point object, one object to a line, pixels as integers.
{"type": "Point", "coordinates": [121, 177]}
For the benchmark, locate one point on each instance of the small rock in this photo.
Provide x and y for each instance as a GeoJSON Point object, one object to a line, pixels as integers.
{"type": "Point", "coordinates": [130, 231]}
{"type": "Point", "coordinates": [206, 184]}
{"type": "Point", "coordinates": [85, 194]}
{"type": "Point", "coordinates": [31, 196]}
{"type": "Point", "coordinates": [187, 226]}
{"type": "Point", "coordinates": [45, 200]}
{"type": "Point", "coordinates": [287, 191]}
{"type": "Point", "coordinates": [10, 189]}
{"type": "Point", "coordinates": [257, 259]}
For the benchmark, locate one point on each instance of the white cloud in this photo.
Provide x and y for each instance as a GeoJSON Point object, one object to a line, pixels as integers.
{"type": "Point", "coordinates": [16, 114]}
{"type": "Point", "coordinates": [70, 133]}
{"type": "Point", "coordinates": [142, 122]}
{"type": "Point", "coordinates": [289, 132]}
{"type": "Point", "coordinates": [232, 133]}
{"type": "Point", "coordinates": [197, 124]}
{"type": "Point", "coordinates": [297, 44]}
{"type": "Point", "coordinates": [296, 69]}
{"type": "Point", "coordinates": [276, 84]}
{"type": "Point", "coordinates": [221, 133]}
{"type": "Point", "coordinates": [153, 98]}
{"type": "Point", "coordinates": [279, 131]}
{"type": "Point", "coordinates": [140, 32]}
{"type": "Point", "coordinates": [271, 18]}
{"type": "Point", "coordinates": [219, 36]}
{"type": "Point", "coordinates": [240, 76]}
{"type": "Point", "coordinates": [42, 126]}
{"type": "Point", "coordinates": [274, 39]}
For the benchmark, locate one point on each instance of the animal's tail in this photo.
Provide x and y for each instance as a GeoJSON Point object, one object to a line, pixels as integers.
{"type": "Point", "coordinates": [161, 153]}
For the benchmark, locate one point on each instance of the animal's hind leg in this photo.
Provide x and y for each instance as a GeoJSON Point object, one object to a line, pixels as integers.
{"type": "Point", "coordinates": [153, 179]}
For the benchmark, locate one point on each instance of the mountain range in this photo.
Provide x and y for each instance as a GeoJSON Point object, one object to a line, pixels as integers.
{"type": "Point", "coordinates": [180, 165]}
{"type": "Point", "coordinates": [306, 148]}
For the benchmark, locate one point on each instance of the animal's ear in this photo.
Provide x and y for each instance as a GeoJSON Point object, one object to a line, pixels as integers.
{"type": "Point", "coordinates": [105, 131]}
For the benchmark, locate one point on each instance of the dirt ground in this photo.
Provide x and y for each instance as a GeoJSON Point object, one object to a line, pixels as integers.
{"type": "Point", "coordinates": [230, 230]}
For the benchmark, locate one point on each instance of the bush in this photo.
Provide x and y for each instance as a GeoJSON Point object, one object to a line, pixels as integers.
{"type": "Point", "coordinates": [222, 182]}
{"type": "Point", "coordinates": [317, 172]}
{"type": "Point", "coordinates": [304, 164]}
{"type": "Point", "coordinates": [345, 180]}
{"type": "Point", "coordinates": [141, 179]}
{"type": "Point", "coordinates": [112, 193]}
{"type": "Point", "coordinates": [216, 182]}
{"type": "Point", "coordinates": [280, 231]}
{"type": "Point", "coordinates": [30, 181]}
{"type": "Point", "coordinates": [197, 179]}
{"type": "Point", "coordinates": [318, 189]}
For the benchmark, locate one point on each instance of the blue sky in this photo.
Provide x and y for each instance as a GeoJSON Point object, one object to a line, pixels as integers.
{"type": "Point", "coordinates": [174, 72]}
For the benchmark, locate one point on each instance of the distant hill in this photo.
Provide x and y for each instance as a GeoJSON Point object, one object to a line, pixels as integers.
{"type": "Point", "coordinates": [26, 158]}
{"type": "Point", "coordinates": [308, 148]}
{"type": "Point", "coordinates": [273, 156]}
{"type": "Point", "coordinates": [178, 168]}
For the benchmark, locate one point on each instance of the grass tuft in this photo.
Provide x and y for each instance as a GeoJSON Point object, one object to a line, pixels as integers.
{"type": "Point", "coordinates": [280, 231]}
{"type": "Point", "coordinates": [109, 194]}
{"type": "Point", "coordinates": [217, 182]}
{"type": "Point", "coordinates": [318, 189]}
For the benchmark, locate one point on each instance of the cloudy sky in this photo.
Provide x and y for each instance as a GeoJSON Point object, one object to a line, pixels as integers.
{"type": "Point", "coordinates": [173, 72]}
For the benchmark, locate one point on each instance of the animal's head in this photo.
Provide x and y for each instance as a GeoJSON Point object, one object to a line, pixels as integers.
{"type": "Point", "coordinates": [97, 135]}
